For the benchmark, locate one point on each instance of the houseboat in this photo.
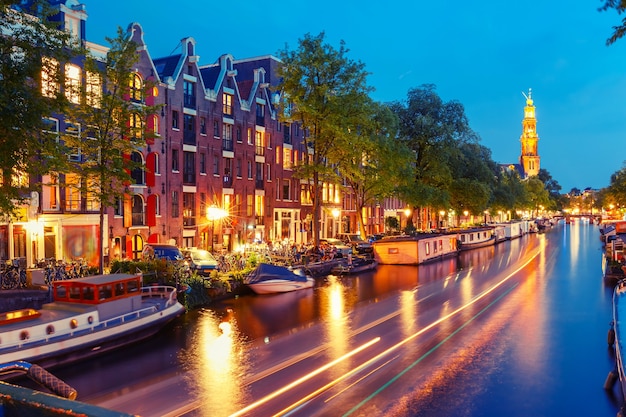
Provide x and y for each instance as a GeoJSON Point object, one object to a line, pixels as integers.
{"type": "Point", "coordinates": [513, 230]}
{"type": "Point", "coordinates": [87, 316]}
{"type": "Point", "coordinates": [476, 238]}
{"type": "Point", "coordinates": [415, 250]}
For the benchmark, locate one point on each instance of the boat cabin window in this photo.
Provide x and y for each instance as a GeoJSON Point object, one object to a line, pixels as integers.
{"type": "Point", "coordinates": [427, 248]}
{"type": "Point", "coordinates": [88, 293]}
{"type": "Point", "coordinates": [132, 286]}
{"type": "Point", "coordinates": [120, 289]}
{"type": "Point", "coordinates": [105, 291]}
{"type": "Point", "coordinates": [61, 291]}
{"type": "Point", "coordinates": [75, 293]}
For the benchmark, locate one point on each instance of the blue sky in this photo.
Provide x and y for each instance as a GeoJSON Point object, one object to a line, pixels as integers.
{"type": "Point", "coordinates": [483, 54]}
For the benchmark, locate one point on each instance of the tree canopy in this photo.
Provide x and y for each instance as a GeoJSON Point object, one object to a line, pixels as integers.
{"type": "Point", "coordinates": [31, 48]}
{"type": "Point", "coordinates": [327, 94]}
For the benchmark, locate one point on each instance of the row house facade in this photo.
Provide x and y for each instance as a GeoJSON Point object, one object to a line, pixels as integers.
{"type": "Point", "coordinates": [218, 174]}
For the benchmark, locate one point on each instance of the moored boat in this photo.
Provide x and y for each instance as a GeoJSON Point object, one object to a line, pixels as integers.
{"type": "Point", "coordinates": [271, 279]}
{"type": "Point", "coordinates": [355, 265]}
{"type": "Point", "coordinates": [476, 238]}
{"type": "Point", "coordinates": [88, 316]}
{"type": "Point", "coordinates": [415, 250]}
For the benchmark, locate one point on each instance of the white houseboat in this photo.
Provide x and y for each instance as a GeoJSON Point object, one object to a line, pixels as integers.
{"type": "Point", "coordinates": [476, 238]}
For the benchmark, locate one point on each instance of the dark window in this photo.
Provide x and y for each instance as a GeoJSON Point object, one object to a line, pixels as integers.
{"type": "Point", "coordinates": [203, 125]}
{"type": "Point", "coordinates": [175, 120]}
{"type": "Point", "coordinates": [174, 203]}
{"type": "Point", "coordinates": [203, 163]}
{"type": "Point", "coordinates": [216, 165]}
{"type": "Point", "coordinates": [189, 94]}
{"type": "Point", "coordinates": [189, 129]}
{"type": "Point", "coordinates": [216, 129]}
{"type": "Point", "coordinates": [137, 173]}
{"type": "Point", "coordinates": [175, 160]}
{"type": "Point", "coordinates": [189, 168]}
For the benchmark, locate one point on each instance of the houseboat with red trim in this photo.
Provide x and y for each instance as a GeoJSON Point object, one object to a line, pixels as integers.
{"type": "Point", "coordinates": [87, 316]}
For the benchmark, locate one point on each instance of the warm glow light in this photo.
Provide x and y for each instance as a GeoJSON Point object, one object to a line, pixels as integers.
{"type": "Point", "coordinates": [215, 213]}
{"type": "Point", "coordinates": [335, 212]}
{"type": "Point", "coordinates": [407, 211]}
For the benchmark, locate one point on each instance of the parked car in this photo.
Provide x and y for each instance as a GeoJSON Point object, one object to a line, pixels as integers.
{"type": "Point", "coordinates": [200, 260]}
{"type": "Point", "coordinates": [355, 240]}
{"type": "Point", "coordinates": [162, 251]}
{"type": "Point", "coordinates": [373, 238]}
{"type": "Point", "coordinates": [341, 247]}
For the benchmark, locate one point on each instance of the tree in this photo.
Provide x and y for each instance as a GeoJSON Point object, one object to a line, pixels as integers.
{"type": "Point", "coordinates": [509, 192]}
{"type": "Point", "coordinates": [113, 116]}
{"type": "Point", "coordinates": [432, 129]}
{"type": "Point", "coordinates": [31, 48]}
{"type": "Point", "coordinates": [618, 31]}
{"type": "Point", "coordinates": [373, 163]}
{"type": "Point", "coordinates": [537, 193]}
{"type": "Point", "coordinates": [325, 92]}
{"type": "Point", "coordinates": [474, 174]}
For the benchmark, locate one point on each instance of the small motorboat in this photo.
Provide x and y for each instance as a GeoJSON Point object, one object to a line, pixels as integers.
{"type": "Point", "coordinates": [271, 279]}
{"type": "Point", "coordinates": [355, 266]}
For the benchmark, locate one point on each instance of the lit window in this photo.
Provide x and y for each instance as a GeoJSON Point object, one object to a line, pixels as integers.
{"type": "Point", "coordinates": [136, 126]}
{"type": "Point", "coordinates": [72, 192]}
{"type": "Point", "coordinates": [72, 83]}
{"type": "Point", "coordinates": [49, 77]}
{"type": "Point", "coordinates": [93, 89]}
{"type": "Point", "coordinates": [227, 101]}
{"type": "Point", "coordinates": [136, 88]}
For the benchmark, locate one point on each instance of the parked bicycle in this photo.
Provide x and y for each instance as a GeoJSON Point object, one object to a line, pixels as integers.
{"type": "Point", "coordinates": [13, 275]}
{"type": "Point", "coordinates": [55, 270]}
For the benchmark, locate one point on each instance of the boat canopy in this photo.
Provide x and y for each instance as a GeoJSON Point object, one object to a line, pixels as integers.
{"type": "Point", "coordinates": [266, 272]}
{"type": "Point", "coordinates": [97, 289]}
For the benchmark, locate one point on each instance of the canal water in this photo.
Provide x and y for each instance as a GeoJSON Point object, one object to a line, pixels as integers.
{"type": "Point", "coordinates": [552, 360]}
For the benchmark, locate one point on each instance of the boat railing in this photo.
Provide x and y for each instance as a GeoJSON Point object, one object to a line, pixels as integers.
{"type": "Point", "coordinates": [160, 291]}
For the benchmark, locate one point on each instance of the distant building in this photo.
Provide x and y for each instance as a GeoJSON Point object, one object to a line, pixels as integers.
{"type": "Point", "coordinates": [529, 160]}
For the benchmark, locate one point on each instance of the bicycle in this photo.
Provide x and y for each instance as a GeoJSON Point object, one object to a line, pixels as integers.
{"type": "Point", "coordinates": [12, 275]}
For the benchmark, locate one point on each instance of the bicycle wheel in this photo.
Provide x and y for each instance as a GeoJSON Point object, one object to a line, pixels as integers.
{"type": "Point", "coordinates": [10, 280]}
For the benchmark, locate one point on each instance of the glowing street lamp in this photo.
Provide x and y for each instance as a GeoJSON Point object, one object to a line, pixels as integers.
{"type": "Point", "coordinates": [214, 213]}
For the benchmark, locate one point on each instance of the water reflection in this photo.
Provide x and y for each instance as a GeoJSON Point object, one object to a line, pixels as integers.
{"type": "Point", "coordinates": [335, 301]}
{"type": "Point", "coordinates": [215, 364]}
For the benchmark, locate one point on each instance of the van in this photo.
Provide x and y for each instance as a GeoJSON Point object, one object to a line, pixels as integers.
{"type": "Point", "coordinates": [161, 251]}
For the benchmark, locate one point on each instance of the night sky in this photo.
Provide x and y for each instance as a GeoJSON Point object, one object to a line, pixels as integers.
{"type": "Point", "coordinates": [482, 54]}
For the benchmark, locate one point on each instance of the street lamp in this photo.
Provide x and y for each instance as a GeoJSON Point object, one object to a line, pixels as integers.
{"type": "Point", "coordinates": [441, 214]}
{"type": "Point", "coordinates": [465, 213]}
{"type": "Point", "coordinates": [336, 212]}
{"type": "Point", "coordinates": [407, 213]}
{"type": "Point", "coordinates": [214, 213]}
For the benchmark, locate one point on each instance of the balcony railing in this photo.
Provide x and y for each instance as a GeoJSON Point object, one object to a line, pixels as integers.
{"type": "Point", "coordinates": [258, 184]}
{"type": "Point", "coordinates": [189, 137]}
{"type": "Point", "coordinates": [189, 101]}
{"type": "Point", "coordinates": [228, 181]}
{"type": "Point", "coordinates": [227, 145]}
{"type": "Point", "coordinates": [260, 121]}
{"type": "Point", "coordinates": [189, 178]}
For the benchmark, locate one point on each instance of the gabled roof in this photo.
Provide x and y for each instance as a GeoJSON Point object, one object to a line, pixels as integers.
{"type": "Point", "coordinates": [166, 67]}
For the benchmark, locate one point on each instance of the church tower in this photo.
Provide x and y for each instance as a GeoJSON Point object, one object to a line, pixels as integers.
{"type": "Point", "coordinates": [529, 159]}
